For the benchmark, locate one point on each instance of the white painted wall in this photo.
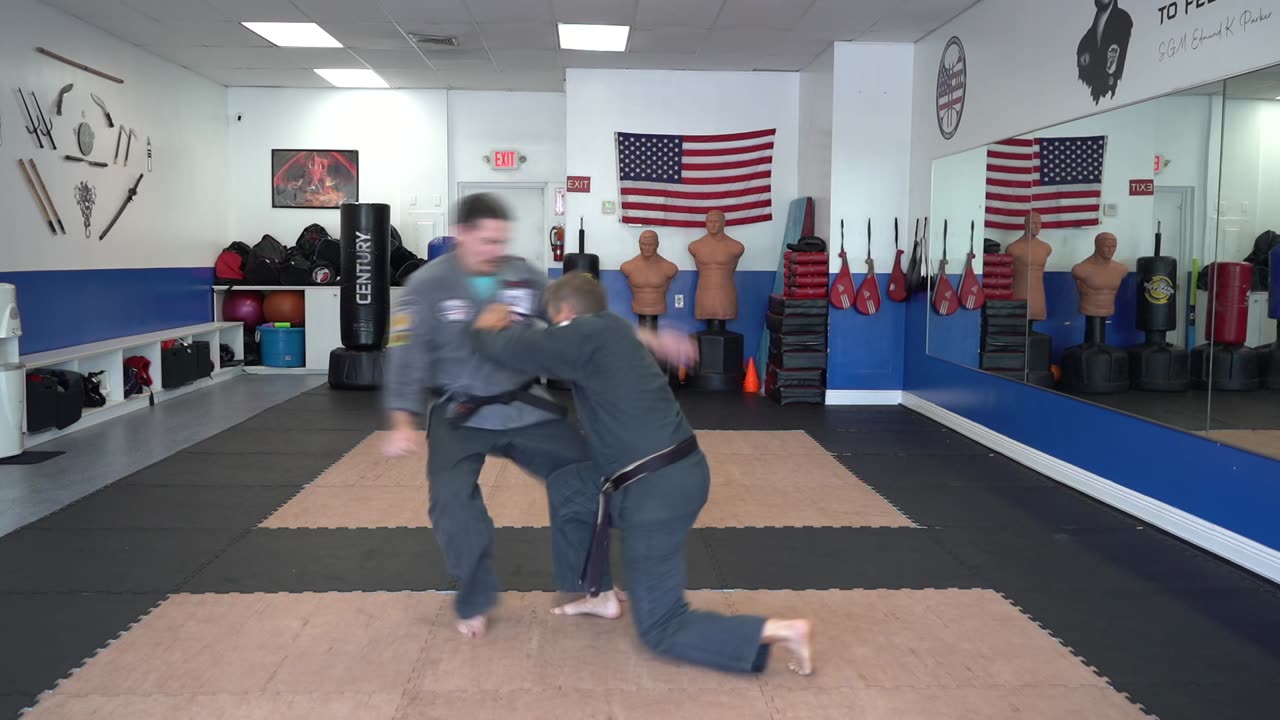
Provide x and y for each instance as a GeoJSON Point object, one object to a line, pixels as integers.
{"type": "Point", "coordinates": [601, 102]}
{"type": "Point", "coordinates": [871, 147]}
{"type": "Point", "coordinates": [531, 122]}
{"type": "Point", "coordinates": [1250, 174]}
{"type": "Point", "coordinates": [817, 93]}
{"type": "Point", "coordinates": [402, 137]}
{"type": "Point", "coordinates": [179, 217]}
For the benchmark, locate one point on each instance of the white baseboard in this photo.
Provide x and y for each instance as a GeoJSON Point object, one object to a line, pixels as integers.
{"type": "Point", "coordinates": [864, 397]}
{"type": "Point", "coordinates": [1218, 540]}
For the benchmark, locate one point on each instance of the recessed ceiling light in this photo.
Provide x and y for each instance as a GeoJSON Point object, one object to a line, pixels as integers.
{"type": "Point", "coordinates": [605, 38]}
{"type": "Point", "coordinates": [351, 78]}
{"type": "Point", "coordinates": [291, 34]}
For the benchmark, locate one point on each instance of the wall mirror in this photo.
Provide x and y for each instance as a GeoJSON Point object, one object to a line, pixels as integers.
{"type": "Point", "coordinates": [1123, 259]}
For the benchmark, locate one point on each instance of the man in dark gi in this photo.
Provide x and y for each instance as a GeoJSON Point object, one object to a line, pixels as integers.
{"type": "Point", "coordinates": [1102, 50]}
{"type": "Point", "coordinates": [644, 451]}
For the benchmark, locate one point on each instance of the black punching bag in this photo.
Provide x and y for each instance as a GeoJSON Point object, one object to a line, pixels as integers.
{"type": "Point", "coordinates": [582, 261]}
{"type": "Point", "coordinates": [365, 304]}
{"type": "Point", "coordinates": [1157, 365]}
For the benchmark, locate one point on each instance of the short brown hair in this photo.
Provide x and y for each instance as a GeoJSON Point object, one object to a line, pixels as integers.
{"type": "Point", "coordinates": [578, 290]}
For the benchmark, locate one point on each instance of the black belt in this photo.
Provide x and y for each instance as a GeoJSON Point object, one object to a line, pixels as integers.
{"type": "Point", "coordinates": [593, 568]}
{"type": "Point", "coordinates": [459, 407]}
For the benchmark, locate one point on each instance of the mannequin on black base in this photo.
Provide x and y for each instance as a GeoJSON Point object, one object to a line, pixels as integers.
{"type": "Point", "coordinates": [1030, 255]}
{"type": "Point", "coordinates": [720, 351]}
{"type": "Point", "coordinates": [1095, 367]}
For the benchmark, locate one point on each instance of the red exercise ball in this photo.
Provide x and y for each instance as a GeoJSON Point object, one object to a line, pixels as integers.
{"type": "Point", "coordinates": [286, 306]}
{"type": "Point", "coordinates": [243, 306]}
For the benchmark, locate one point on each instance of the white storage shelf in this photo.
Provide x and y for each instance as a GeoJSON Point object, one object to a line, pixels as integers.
{"type": "Point", "coordinates": [108, 357]}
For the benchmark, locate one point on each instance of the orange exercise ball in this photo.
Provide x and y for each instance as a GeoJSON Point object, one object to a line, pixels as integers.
{"type": "Point", "coordinates": [1057, 374]}
{"type": "Point", "coordinates": [285, 306]}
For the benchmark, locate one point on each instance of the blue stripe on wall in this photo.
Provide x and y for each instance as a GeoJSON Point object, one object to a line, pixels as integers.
{"type": "Point", "coordinates": [1226, 486]}
{"type": "Point", "coordinates": [61, 308]}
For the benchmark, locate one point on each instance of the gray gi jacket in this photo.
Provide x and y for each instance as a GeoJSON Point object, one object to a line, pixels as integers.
{"type": "Point", "coordinates": [625, 406]}
{"type": "Point", "coordinates": [429, 345]}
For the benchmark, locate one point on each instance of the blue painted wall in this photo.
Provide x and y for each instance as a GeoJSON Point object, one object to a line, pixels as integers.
{"type": "Point", "coordinates": [61, 308]}
{"type": "Point", "coordinates": [1226, 486]}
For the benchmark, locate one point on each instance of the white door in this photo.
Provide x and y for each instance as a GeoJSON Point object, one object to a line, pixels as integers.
{"type": "Point", "coordinates": [1171, 210]}
{"type": "Point", "coordinates": [529, 228]}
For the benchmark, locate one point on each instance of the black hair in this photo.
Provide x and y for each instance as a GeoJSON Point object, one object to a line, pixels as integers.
{"type": "Point", "coordinates": [481, 206]}
{"type": "Point", "coordinates": [578, 290]}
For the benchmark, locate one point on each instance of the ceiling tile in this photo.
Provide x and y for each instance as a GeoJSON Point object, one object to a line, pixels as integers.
{"type": "Point", "coordinates": [486, 11]}
{"type": "Point", "coordinates": [424, 78]}
{"type": "Point", "coordinates": [367, 35]}
{"type": "Point", "coordinates": [129, 25]}
{"type": "Point", "coordinates": [519, 81]}
{"type": "Point", "coordinates": [517, 60]}
{"type": "Point", "coordinates": [258, 10]}
{"type": "Point", "coordinates": [180, 33]}
{"type": "Point", "coordinates": [790, 62]}
{"type": "Point", "coordinates": [392, 59]}
{"type": "Point", "coordinates": [519, 36]}
{"type": "Point", "coordinates": [843, 20]}
{"type": "Point", "coordinates": [321, 10]}
{"type": "Point", "coordinates": [456, 55]}
{"type": "Point", "coordinates": [178, 10]}
{"type": "Point", "coordinates": [433, 11]}
{"type": "Point", "coordinates": [770, 14]}
{"type": "Point", "coordinates": [908, 25]}
{"type": "Point", "coordinates": [697, 14]}
{"type": "Point", "coordinates": [604, 12]}
{"type": "Point", "coordinates": [666, 40]}
{"type": "Point", "coordinates": [584, 59]}
{"type": "Point", "coordinates": [262, 77]}
{"type": "Point", "coordinates": [87, 8]}
{"type": "Point", "coordinates": [739, 40]}
{"type": "Point", "coordinates": [462, 66]}
{"type": "Point", "coordinates": [203, 57]}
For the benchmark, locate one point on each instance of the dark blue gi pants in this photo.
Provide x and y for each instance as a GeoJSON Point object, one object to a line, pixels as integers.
{"type": "Point", "coordinates": [654, 516]}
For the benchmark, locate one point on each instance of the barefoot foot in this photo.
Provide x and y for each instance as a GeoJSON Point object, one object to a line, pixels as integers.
{"type": "Point", "coordinates": [605, 605]}
{"type": "Point", "coordinates": [473, 627]}
{"type": "Point", "coordinates": [795, 636]}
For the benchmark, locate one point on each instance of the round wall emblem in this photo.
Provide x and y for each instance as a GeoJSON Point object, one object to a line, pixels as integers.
{"type": "Point", "coordinates": [952, 76]}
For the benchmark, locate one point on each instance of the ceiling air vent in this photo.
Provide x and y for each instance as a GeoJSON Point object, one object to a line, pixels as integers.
{"type": "Point", "coordinates": [435, 41]}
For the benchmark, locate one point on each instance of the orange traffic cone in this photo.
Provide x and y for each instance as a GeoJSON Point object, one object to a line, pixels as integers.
{"type": "Point", "coordinates": [751, 384]}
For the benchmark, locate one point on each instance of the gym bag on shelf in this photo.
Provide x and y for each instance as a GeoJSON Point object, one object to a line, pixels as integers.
{"type": "Point", "coordinates": [229, 267]}
{"type": "Point", "coordinates": [265, 261]}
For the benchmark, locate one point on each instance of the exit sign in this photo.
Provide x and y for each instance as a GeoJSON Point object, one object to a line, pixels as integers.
{"type": "Point", "coordinates": [579, 183]}
{"type": "Point", "coordinates": [505, 160]}
{"type": "Point", "coordinates": [1142, 187]}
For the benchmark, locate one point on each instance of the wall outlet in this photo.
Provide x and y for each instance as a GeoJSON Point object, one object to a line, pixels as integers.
{"type": "Point", "coordinates": [1110, 210]}
{"type": "Point", "coordinates": [679, 301]}
{"type": "Point", "coordinates": [413, 199]}
{"type": "Point", "coordinates": [435, 201]}
{"type": "Point", "coordinates": [606, 207]}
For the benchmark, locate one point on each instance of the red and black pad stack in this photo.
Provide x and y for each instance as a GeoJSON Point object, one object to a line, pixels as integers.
{"type": "Point", "coordinates": [804, 274]}
{"type": "Point", "coordinates": [997, 276]}
{"type": "Point", "coordinates": [797, 327]}
{"type": "Point", "coordinates": [1004, 338]}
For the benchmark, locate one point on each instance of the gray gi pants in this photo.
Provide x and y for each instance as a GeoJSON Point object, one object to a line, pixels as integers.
{"type": "Point", "coordinates": [459, 518]}
{"type": "Point", "coordinates": [654, 516]}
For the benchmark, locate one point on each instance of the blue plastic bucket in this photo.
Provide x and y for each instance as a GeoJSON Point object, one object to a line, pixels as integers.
{"type": "Point", "coordinates": [282, 347]}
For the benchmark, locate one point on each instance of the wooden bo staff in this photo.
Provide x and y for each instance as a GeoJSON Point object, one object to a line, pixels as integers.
{"type": "Point", "coordinates": [80, 66]}
{"type": "Point", "coordinates": [48, 197]}
{"type": "Point", "coordinates": [39, 200]}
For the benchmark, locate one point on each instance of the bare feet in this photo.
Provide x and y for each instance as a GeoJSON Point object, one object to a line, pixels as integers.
{"type": "Point", "coordinates": [473, 627]}
{"type": "Point", "coordinates": [605, 605]}
{"type": "Point", "coordinates": [795, 636]}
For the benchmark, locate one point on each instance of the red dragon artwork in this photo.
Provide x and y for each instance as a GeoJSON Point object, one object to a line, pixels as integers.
{"type": "Point", "coordinates": [314, 178]}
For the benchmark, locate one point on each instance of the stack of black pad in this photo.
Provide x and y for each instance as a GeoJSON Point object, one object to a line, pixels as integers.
{"type": "Point", "coordinates": [1004, 338]}
{"type": "Point", "coordinates": [797, 371]}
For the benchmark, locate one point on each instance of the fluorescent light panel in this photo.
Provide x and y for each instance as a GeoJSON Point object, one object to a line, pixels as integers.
{"type": "Point", "coordinates": [350, 78]}
{"type": "Point", "coordinates": [603, 38]}
{"type": "Point", "coordinates": [291, 34]}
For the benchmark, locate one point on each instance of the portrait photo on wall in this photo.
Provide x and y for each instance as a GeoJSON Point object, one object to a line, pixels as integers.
{"type": "Point", "coordinates": [314, 178]}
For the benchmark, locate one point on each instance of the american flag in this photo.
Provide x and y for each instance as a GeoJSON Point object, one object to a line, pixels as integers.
{"type": "Point", "coordinates": [675, 180]}
{"type": "Point", "coordinates": [1060, 178]}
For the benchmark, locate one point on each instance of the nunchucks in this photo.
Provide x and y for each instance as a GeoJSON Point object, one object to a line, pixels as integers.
{"type": "Point", "coordinates": [915, 279]}
{"type": "Point", "coordinates": [944, 295]}
{"type": "Point", "coordinates": [898, 280]}
{"type": "Point", "coordinates": [841, 294]}
{"type": "Point", "coordinates": [971, 294]}
{"type": "Point", "coordinates": [582, 261]}
{"type": "Point", "coordinates": [869, 291]}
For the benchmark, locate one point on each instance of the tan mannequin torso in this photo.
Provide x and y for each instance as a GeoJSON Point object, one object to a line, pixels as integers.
{"type": "Point", "coordinates": [649, 275]}
{"type": "Point", "coordinates": [1098, 278]}
{"type": "Point", "coordinates": [716, 255]}
{"type": "Point", "coordinates": [1030, 255]}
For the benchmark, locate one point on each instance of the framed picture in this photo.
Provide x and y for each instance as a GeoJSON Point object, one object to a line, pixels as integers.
{"type": "Point", "coordinates": [314, 178]}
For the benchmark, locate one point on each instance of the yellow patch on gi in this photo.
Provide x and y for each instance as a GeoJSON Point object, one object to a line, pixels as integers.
{"type": "Point", "coordinates": [401, 327]}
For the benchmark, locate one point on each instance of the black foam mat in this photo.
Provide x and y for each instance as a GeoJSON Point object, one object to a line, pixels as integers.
{"type": "Point", "coordinates": [168, 507]}
{"type": "Point", "coordinates": [288, 418]}
{"type": "Point", "coordinates": [898, 442]}
{"type": "Point", "coordinates": [11, 706]}
{"type": "Point", "coordinates": [1198, 701]}
{"type": "Point", "coordinates": [1032, 508]}
{"type": "Point", "coordinates": [323, 443]}
{"type": "Point", "coordinates": [31, 457]}
{"type": "Point", "coordinates": [833, 558]}
{"type": "Point", "coordinates": [108, 561]}
{"type": "Point", "coordinates": [44, 637]}
{"type": "Point", "coordinates": [231, 470]}
{"type": "Point", "coordinates": [885, 472]}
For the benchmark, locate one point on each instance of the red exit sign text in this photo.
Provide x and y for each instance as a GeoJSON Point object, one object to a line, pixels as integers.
{"type": "Point", "coordinates": [1142, 187]}
{"type": "Point", "coordinates": [504, 160]}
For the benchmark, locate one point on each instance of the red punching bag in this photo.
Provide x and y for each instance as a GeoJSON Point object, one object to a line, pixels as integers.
{"type": "Point", "coordinates": [1229, 292]}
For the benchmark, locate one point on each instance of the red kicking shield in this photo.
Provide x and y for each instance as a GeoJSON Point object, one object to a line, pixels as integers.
{"type": "Point", "coordinates": [944, 295]}
{"type": "Point", "coordinates": [897, 278]}
{"type": "Point", "coordinates": [971, 294]}
{"type": "Point", "coordinates": [841, 294]}
{"type": "Point", "coordinates": [868, 300]}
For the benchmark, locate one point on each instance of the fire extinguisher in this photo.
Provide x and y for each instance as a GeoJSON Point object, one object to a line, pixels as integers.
{"type": "Point", "coordinates": [557, 243]}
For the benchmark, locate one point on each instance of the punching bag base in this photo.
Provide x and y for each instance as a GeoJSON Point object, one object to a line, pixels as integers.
{"type": "Point", "coordinates": [1269, 365]}
{"type": "Point", "coordinates": [719, 361]}
{"type": "Point", "coordinates": [1234, 368]}
{"type": "Point", "coordinates": [355, 369]}
{"type": "Point", "coordinates": [1095, 369]}
{"type": "Point", "coordinates": [1159, 367]}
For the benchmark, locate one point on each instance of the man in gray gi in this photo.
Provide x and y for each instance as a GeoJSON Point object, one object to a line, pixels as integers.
{"type": "Point", "coordinates": [645, 456]}
{"type": "Point", "coordinates": [477, 407]}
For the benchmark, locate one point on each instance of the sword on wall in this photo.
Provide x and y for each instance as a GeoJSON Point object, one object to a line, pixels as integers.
{"type": "Point", "coordinates": [133, 192]}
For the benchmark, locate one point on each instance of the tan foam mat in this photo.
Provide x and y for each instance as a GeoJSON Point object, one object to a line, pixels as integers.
{"type": "Point", "coordinates": [891, 654]}
{"type": "Point", "coordinates": [758, 479]}
{"type": "Point", "coordinates": [1263, 442]}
